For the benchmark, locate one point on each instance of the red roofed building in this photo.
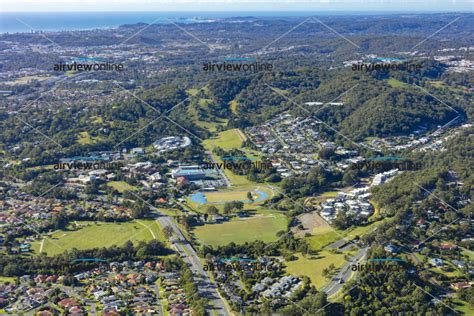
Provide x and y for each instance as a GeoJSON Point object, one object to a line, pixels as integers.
{"type": "Point", "coordinates": [447, 246]}
{"type": "Point", "coordinates": [461, 285]}
{"type": "Point", "coordinates": [68, 303]}
{"type": "Point", "coordinates": [420, 222]}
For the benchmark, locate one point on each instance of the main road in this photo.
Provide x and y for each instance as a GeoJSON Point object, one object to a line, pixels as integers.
{"type": "Point", "coordinates": [345, 273]}
{"type": "Point", "coordinates": [206, 287]}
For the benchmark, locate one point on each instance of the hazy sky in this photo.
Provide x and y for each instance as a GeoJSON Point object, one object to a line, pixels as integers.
{"type": "Point", "coordinates": [234, 5]}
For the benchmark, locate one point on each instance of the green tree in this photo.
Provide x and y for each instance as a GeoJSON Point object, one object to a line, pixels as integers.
{"type": "Point", "coordinates": [212, 210]}
{"type": "Point", "coordinates": [250, 196]}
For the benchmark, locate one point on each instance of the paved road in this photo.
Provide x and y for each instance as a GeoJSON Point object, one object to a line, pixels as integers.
{"type": "Point", "coordinates": [206, 287]}
{"type": "Point", "coordinates": [345, 273]}
{"type": "Point", "coordinates": [339, 243]}
{"type": "Point", "coordinates": [157, 291]}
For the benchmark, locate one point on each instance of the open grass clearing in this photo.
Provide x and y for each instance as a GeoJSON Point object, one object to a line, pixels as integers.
{"type": "Point", "coordinates": [468, 253]}
{"type": "Point", "coordinates": [4, 279]}
{"type": "Point", "coordinates": [121, 186]}
{"type": "Point", "coordinates": [226, 140]}
{"type": "Point", "coordinates": [325, 235]}
{"type": "Point", "coordinates": [463, 307]}
{"type": "Point", "coordinates": [258, 227]}
{"type": "Point", "coordinates": [211, 126]}
{"type": "Point", "coordinates": [99, 234]}
{"type": "Point", "coordinates": [85, 138]}
{"type": "Point", "coordinates": [320, 240]}
{"type": "Point", "coordinates": [395, 83]}
{"type": "Point", "coordinates": [27, 79]}
{"type": "Point", "coordinates": [313, 266]}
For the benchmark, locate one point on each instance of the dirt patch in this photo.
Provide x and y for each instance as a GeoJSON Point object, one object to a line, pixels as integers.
{"type": "Point", "coordinates": [309, 222]}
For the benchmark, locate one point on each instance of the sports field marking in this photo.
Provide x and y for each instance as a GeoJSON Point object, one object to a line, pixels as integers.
{"type": "Point", "coordinates": [149, 229]}
{"type": "Point", "coordinates": [42, 244]}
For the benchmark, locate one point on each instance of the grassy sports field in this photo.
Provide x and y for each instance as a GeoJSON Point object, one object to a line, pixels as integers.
{"type": "Point", "coordinates": [92, 235]}
{"type": "Point", "coordinates": [218, 198]}
{"type": "Point", "coordinates": [213, 197]}
{"type": "Point", "coordinates": [260, 227]}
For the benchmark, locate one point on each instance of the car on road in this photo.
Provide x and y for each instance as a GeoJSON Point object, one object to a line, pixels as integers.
{"type": "Point", "coordinates": [341, 281]}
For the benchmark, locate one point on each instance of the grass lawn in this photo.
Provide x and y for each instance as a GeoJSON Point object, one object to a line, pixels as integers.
{"type": "Point", "coordinates": [375, 216]}
{"type": "Point", "coordinates": [226, 140]}
{"type": "Point", "coordinates": [455, 273]}
{"type": "Point", "coordinates": [320, 240]}
{"type": "Point", "coordinates": [27, 79]}
{"type": "Point", "coordinates": [323, 236]}
{"type": "Point", "coordinates": [237, 180]}
{"type": "Point", "coordinates": [93, 235]}
{"type": "Point", "coordinates": [227, 196]}
{"type": "Point", "coordinates": [313, 268]}
{"type": "Point", "coordinates": [468, 253]}
{"type": "Point", "coordinates": [463, 307]}
{"type": "Point", "coordinates": [263, 227]}
{"type": "Point", "coordinates": [212, 197]}
{"type": "Point", "coordinates": [330, 194]}
{"type": "Point", "coordinates": [47, 167]}
{"type": "Point", "coordinates": [233, 106]}
{"type": "Point", "coordinates": [163, 300]}
{"type": "Point", "coordinates": [121, 186]}
{"type": "Point", "coordinates": [394, 83]}
{"type": "Point", "coordinates": [85, 138]}
{"type": "Point", "coordinates": [437, 83]}
{"type": "Point", "coordinates": [361, 230]}
{"type": "Point", "coordinates": [220, 197]}
{"type": "Point", "coordinates": [210, 126]}
{"type": "Point", "coordinates": [4, 279]}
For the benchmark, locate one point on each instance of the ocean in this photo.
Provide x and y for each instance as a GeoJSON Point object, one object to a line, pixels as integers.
{"type": "Point", "coordinates": [14, 22]}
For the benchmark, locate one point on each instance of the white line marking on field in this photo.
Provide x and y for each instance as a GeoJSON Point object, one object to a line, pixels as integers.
{"type": "Point", "coordinates": [149, 229]}
{"type": "Point", "coordinates": [42, 245]}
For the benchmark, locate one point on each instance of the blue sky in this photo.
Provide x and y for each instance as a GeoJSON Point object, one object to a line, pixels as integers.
{"type": "Point", "coordinates": [234, 5]}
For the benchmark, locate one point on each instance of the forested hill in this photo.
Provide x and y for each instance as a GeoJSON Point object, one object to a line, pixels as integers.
{"type": "Point", "coordinates": [446, 174]}
{"type": "Point", "coordinates": [375, 103]}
